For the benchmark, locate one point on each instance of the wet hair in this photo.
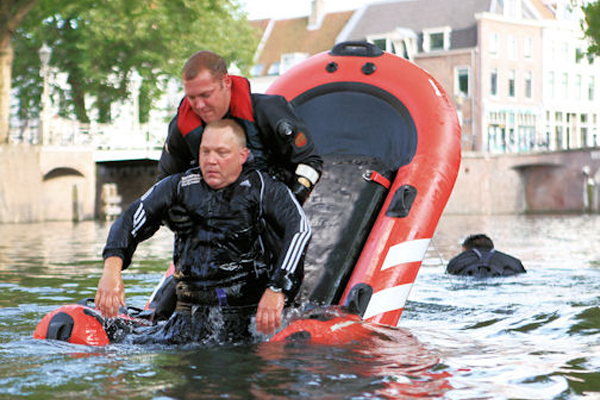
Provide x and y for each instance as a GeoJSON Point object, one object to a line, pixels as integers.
{"type": "Point", "coordinates": [237, 130]}
{"type": "Point", "coordinates": [479, 240]}
{"type": "Point", "coordinates": [202, 60]}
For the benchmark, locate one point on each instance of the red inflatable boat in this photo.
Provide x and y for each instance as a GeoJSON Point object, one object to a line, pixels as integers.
{"type": "Point", "coordinates": [390, 140]}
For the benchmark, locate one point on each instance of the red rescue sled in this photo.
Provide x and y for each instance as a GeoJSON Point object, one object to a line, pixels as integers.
{"type": "Point", "coordinates": [390, 140]}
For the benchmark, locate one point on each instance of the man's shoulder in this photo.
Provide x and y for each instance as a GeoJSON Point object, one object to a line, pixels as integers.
{"type": "Point", "coordinates": [262, 99]}
{"type": "Point", "coordinates": [257, 177]}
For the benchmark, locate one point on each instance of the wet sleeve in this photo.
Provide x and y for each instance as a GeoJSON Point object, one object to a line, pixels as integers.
{"type": "Point", "coordinates": [176, 156]}
{"type": "Point", "coordinates": [291, 150]}
{"type": "Point", "coordinates": [282, 211]}
{"type": "Point", "coordinates": [140, 221]}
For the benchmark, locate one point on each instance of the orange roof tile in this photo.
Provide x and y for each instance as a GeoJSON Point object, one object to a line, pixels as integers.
{"type": "Point", "coordinates": [293, 36]}
{"type": "Point", "coordinates": [543, 9]}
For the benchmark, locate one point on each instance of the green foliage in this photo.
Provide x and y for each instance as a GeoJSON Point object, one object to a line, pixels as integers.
{"type": "Point", "coordinates": [592, 28]}
{"type": "Point", "coordinates": [99, 43]}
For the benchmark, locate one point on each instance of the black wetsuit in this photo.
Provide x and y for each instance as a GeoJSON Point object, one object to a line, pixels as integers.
{"type": "Point", "coordinates": [483, 263]}
{"type": "Point", "coordinates": [223, 263]}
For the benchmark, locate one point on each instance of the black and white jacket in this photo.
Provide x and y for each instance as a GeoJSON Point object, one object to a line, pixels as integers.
{"type": "Point", "coordinates": [226, 250]}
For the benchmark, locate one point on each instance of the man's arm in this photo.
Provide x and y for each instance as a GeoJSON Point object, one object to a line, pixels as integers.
{"type": "Point", "coordinates": [111, 292]}
{"type": "Point", "coordinates": [282, 210]}
{"type": "Point", "coordinates": [294, 147]}
{"type": "Point", "coordinates": [139, 222]}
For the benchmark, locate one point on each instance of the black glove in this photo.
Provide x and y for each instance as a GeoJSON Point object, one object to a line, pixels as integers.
{"type": "Point", "coordinates": [178, 220]}
{"type": "Point", "coordinates": [301, 192]}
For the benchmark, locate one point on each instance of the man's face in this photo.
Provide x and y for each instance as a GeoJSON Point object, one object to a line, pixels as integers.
{"type": "Point", "coordinates": [221, 157]}
{"type": "Point", "coordinates": [209, 97]}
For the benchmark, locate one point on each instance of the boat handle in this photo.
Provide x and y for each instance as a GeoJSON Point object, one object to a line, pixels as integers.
{"type": "Point", "coordinates": [355, 48]}
{"type": "Point", "coordinates": [402, 202]}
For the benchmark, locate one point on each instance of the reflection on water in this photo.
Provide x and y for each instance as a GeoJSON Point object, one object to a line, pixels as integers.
{"type": "Point", "coordinates": [531, 336]}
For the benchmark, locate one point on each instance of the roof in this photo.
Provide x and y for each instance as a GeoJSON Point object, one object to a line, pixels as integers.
{"type": "Point", "coordinates": [417, 15]}
{"type": "Point", "coordinates": [293, 36]}
{"type": "Point", "coordinates": [543, 9]}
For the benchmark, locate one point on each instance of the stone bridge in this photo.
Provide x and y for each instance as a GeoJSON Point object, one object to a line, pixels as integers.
{"type": "Point", "coordinates": [41, 183]}
{"type": "Point", "coordinates": [563, 181]}
{"type": "Point", "coordinates": [45, 183]}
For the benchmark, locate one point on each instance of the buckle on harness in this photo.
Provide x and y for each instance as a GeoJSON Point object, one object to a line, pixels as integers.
{"type": "Point", "coordinates": [374, 176]}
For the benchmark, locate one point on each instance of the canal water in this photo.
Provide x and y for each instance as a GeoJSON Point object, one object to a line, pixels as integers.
{"type": "Point", "coordinates": [533, 336]}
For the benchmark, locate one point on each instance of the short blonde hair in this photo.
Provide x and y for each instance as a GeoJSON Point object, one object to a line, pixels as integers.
{"type": "Point", "coordinates": [236, 129]}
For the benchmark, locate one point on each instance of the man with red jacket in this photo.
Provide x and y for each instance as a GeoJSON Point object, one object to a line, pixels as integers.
{"type": "Point", "coordinates": [278, 140]}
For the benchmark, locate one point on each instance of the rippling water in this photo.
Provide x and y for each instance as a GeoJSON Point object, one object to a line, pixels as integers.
{"type": "Point", "coordinates": [533, 336]}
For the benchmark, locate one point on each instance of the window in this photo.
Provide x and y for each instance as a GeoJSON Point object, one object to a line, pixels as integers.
{"type": "Point", "coordinates": [578, 87]}
{"type": "Point", "coordinates": [273, 69]}
{"type": "Point", "coordinates": [494, 82]}
{"type": "Point", "coordinates": [257, 70]}
{"type": "Point", "coordinates": [494, 44]}
{"type": "Point", "coordinates": [288, 60]}
{"type": "Point", "coordinates": [511, 83]}
{"type": "Point", "coordinates": [385, 44]}
{"type": "Point", "coordinates": [550, 93]}
{"type": "Point", "coordinates": [403, 44]}
{"type": "Point", "coordinates": [528, 48]}
{"type": "Point", "coordinates": [565, 51]}
{"type": "Point", "coordinates": [436, 39]}
{"type": "Point", "coordinates": [564, 86]}
{"type": "Point", "coordinates": [528, 84]}
{"type": "Point", "coordinates": [462, 81]}
{"type": "Point", "coordinates": [591, 96]}
{"type": "Point", "coordinates": [579, 55]}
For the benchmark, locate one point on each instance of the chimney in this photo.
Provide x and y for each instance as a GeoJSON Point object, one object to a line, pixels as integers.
{"type": "Point", "coordinates": [317, 12]}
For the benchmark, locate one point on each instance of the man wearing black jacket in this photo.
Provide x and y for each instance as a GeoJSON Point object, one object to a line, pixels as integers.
{"type": "Point", "coordinates": [222, 262]}
{"type": "Point", "coordinates": [480, 259]}
{"type": "Point", "coordinates": [278, 140]}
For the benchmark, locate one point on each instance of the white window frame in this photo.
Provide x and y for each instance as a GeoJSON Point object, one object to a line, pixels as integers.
{"type": "Point", "coordinates": [457, 75]}
{"type": "Point", "coordinates": [493, 43]}
{"type": "Point", "coordinates": [445, 31]}
{"type": "Point", "coordinates": [494, 71]}
{"type": "Point", "coordinates": [528, 87]}
{"type": "Point", "coordinates": [528, 47]}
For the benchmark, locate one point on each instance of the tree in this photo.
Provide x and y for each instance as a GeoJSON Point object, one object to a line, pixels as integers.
{"type": "Point", "coordinates": [99, 44]}
{"type": "Point", "coordinates": [592, 25]}
{"type": "Point", "coordinates": [12, 13]}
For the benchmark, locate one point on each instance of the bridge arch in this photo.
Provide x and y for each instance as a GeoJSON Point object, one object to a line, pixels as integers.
{"type": "Point", "coordinates": [60, 172]}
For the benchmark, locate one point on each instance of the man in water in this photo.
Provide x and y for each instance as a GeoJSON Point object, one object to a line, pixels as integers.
{"type": "Point", "coordinates": [278, 140]}
{"type": "Point", "coordinates": [480, 259]}
{"type": "Point", "coordinates": [221, 266]}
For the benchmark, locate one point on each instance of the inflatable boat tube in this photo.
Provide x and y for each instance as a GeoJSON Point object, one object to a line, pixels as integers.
{"type": "Point", "coordinates": [378, 114]}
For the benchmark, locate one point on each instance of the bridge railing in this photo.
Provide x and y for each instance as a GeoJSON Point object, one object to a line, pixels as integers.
{"type": "Point", "coordinates": [64, 133]}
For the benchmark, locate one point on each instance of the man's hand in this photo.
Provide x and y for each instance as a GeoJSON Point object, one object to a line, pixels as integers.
{"type": "Point", "coordinates": [111, 292]}
{"type": "Point", "coordinates": [270, 308]}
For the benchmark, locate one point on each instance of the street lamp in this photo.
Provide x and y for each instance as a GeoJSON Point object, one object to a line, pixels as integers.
{"type": "Point", "coordinates": [45, 52]}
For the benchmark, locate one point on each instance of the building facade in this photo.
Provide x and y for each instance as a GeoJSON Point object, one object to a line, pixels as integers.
{"type": "Point", "coordinates": [517, 70]}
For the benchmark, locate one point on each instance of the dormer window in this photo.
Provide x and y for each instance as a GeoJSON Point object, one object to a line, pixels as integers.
{"type": "Point", "coordinates": [257, 70]}
{"type": "Point", "coordinates": [273, 69]}
{"type": "Point", "coordinates": [288, 60]}
{"type": "Point", "coordinates": [400, 41]}
{"type": "Point", "coordinates": [436, 39]}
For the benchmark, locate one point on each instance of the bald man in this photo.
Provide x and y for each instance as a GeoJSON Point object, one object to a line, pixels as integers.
{"type": "Point", "coordinates": [222, 266]}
